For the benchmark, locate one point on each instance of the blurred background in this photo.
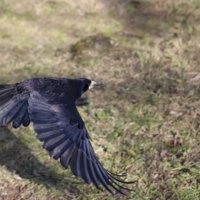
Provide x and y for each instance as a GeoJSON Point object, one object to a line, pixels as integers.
{"type": "Point", "coordinates": [144, 122]}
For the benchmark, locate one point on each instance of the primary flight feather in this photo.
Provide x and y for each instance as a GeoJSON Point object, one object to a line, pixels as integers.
{"type": "Point", "coordinates": [50, 103]}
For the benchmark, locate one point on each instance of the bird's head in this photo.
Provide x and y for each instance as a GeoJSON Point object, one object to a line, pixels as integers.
{"type": "Point", "coordinates": [87, 84]}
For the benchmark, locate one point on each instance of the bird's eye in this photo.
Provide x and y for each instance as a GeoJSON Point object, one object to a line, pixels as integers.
{"type": "Point", "coordinates": [86, 88]}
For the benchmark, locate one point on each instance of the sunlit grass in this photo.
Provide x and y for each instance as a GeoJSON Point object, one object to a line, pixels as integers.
{"type": "Point", "coordinates": [144, 122]}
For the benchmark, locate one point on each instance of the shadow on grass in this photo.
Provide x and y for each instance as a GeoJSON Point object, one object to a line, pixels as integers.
{"type": "Point", "coordinates": [18, 158]}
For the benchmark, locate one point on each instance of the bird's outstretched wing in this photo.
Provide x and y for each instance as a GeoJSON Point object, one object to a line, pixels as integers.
{"type": "Point", "coordinates": [14, 103]}
{"type": "Point", "coordinates": [63, 132]}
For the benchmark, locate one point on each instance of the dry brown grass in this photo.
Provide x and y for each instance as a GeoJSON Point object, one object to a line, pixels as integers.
{"type": "Point", "coordinates": [144, 122]}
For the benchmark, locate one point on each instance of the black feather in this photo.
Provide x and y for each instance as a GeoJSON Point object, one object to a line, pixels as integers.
{"type": "Point", "coordinates": [7, 86]}
{"type": "Point", "coordinates": [58, 151]}
{"type": "Point", "coordinates": [5, 109]}
{"type": "Point", "coordinates": [12, 113]}
{"type": "Point", "coordinates": [78, 164]}
{"type": "Point", "coordinates": [38, 108]}
{"type": "Point", "coordinates": [66, 156]}
{"type": "Point", "coordinates": [117, 190]}
{"type": "Point", "coordinates": [92, 175]}
{"type": "Point", "coordinates": [49, 135]}
{"type": "Point", "coordinates": [131, 182]}
{"type": "Point", "coordinates": [73, 162]}
{"type": "Point", "coordinates": [4, 102]}
{"type": "Point", "coordinates": [11, 89]}
{"type": "Point", "coordinates": [100, 177]}
{"type": "Point", "coordinates": [51, 144]}
{"type": "Point", "coordinates": [20, 116]}
{"type": "Point", "coordinates": [36, 97]}
{"type": "Point", "coordinates": [44, 121]}
{"type": "Point", "coordinates": [120, 185]}
{"type": "Point", "coordinates": [84, 169]}
{"type": "Point", "coordinates": [26, 120]}
{"type": "Point", "coordinates": [5, 96]}
{"type": "Point", "coordinates": [38, 127]}
{"type": "Point", "coordinates": [71, 129]}
{"type": "Point", "coordinates": [41, 115]}
{"type": "Point", "coordinates": [122, 175]}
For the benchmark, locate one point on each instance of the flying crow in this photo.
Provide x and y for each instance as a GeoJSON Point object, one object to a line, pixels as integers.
{"type": "Point", "coordinates": [50, 103]}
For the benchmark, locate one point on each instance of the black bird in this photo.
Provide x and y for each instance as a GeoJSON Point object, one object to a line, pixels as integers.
{"type": "Point", "coordinates": [50, 103]}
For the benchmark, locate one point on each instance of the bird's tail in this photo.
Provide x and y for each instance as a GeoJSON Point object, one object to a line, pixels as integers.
{"type": "Point", "coordinates": [12, 108]}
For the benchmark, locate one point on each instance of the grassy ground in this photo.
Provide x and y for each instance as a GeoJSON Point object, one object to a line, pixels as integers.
{"type": "Point", "coordinates": [145, 122]}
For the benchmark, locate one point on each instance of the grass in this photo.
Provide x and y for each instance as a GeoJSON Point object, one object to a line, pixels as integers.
{"type": "Point", "coordinates": [144, 122]}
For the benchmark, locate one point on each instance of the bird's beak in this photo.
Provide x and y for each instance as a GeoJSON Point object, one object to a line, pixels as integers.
{"type": "Point", "coordinates": [94, 83]}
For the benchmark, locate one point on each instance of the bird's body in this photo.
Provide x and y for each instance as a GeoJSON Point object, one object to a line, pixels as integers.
{"type": "Point", "coordinates": [50, 103]}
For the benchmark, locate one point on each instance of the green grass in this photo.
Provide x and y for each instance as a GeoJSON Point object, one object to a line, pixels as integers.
{"type": "Point", "coordinates": [144, 122]}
